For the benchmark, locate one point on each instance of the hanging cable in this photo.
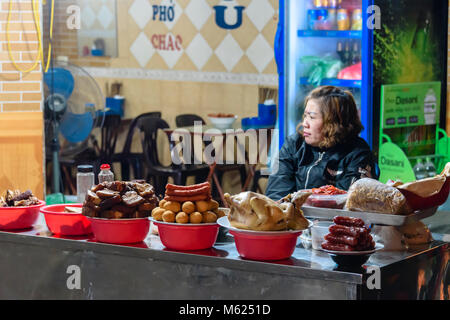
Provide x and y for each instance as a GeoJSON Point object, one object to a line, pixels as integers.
{"type": "Point", "coordinates": [40, 55]}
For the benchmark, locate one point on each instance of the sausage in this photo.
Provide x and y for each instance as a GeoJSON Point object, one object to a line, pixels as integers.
{"type": "Point", "coordinates": [337, 246]}
{"type": "Point", "coordinates": [190, 192]}
{"type": "Point", "coordinates": [351, 241]}
{"type": "Point", "coordinates": [348, 231]}
{"type": "Point", "coordinates": [349, 221]}
{"type": "Point", "coordinates": [170, 186]}
{"type": "Point", "coordinates": [183, 199]}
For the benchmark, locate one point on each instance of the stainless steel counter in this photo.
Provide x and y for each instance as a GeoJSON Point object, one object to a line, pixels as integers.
{"type": "Point", "coordinates": [36, 265]}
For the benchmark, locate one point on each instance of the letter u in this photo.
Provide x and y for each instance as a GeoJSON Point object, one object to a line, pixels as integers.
{"type": "Point", "coordinates": [220, 17]}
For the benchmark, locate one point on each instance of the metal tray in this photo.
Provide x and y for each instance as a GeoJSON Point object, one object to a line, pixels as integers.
{"type": "Point", "coordinates": [368, 217]}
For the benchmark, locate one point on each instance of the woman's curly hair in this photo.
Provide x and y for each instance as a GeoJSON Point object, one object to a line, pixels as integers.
{"type": "Point", "coordinates": [341, 122]}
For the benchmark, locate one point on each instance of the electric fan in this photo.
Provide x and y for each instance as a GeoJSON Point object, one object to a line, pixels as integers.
{"type": "Point", "coordinates": [73, 107]}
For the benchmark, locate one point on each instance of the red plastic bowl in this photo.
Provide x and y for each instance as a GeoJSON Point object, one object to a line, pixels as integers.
{"type": "Point", "coordinates": [13, 218]}
{"type": "Point", "coordinates": [118, 231]}
{"type": "Point", "coordinates": [263, 246]}
{"type": "Point", "coordinates": [66, 223]}
{"type": "Point", "coordinates": [187, 237]}
{"type": "Point", "coordinates": [419, 203]}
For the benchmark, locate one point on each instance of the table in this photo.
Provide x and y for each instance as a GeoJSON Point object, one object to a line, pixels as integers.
{"type": "Point", "coordinates": [36, 265]}
{"type": "Point", "coordinates": [226, 133]}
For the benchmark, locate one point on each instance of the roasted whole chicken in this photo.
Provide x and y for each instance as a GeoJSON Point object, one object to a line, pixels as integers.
{"type": "Point", "coordinates": [253, 211]}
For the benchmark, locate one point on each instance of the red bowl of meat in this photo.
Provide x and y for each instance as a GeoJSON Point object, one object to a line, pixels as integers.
{"type": "Point", "coordinates": [265, 246]}
{"type": "Point", "coordinates": [14, 218]}
{"type": "Point", "coordinates": [119, 231]}
{"type": "Point", "coordinates": [187, 237]}
{"type": "Point", "coordinates": [66, 223]}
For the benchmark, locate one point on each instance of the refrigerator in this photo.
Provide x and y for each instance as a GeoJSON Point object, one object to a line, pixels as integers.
{"type": "Point", "coordinates": [375, 49]}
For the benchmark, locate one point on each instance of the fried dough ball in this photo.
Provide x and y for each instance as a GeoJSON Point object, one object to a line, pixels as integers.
{"type": "Point", "coordinates": [173, 206]}
{"type": "Point", "coordinates": [202, 206]}
{"type": "Point", "coordinates": [219, 213]}
{"type": "Point", "coordinates": [212, 204]}
{"type": "Point", "coordinates": [195, 217]}
{"type": "Point", "coordinates": [168, 216]}
{"type": "Point", "coordinates": [188, 207]}
{"type": "Point", "coordinates": [209, 217]}
{"type": "Point", "coordinates": [157, 213]}
{"type": "Point", "coordinates": [161, 203]}
{"type": "Point", "coordinates": [182, 217]}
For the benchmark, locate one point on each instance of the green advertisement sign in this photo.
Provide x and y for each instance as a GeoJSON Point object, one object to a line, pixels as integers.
{"type": "Point", "coordinates": [394, 164]}
{"type": "Point", "coordinates": [412, 104]}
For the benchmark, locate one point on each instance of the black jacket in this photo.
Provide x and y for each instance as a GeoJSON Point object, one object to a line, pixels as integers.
{"type": "Point", "coordinates": [302, 166]}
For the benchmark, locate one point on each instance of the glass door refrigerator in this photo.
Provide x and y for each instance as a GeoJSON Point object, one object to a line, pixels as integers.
{"type": "Point", "coordinates": [367, 47]}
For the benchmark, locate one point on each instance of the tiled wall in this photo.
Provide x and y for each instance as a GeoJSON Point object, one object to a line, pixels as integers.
{"type": "Point", "coordinates": [204, 77]}
{"type": "Point", "coordinates": [19, 91]}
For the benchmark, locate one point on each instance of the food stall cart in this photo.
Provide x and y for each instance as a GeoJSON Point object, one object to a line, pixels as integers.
{"type": "Point", "coordinates": [37, 265]}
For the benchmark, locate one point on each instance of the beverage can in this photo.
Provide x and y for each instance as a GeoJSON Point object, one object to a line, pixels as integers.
{"type": "Point", "coordinates": [343, 21]}
{"type": "Point", "coordinates": [357, 19]}
{"type": "Point", "coordinates": [318, 3]}
{"type": "Point", "coordinates": [312, 19]}
{"type": "Point", "coordinates": [333, 4]}
{"type": "Point", "coordinates": [322, 19]}
{"type": "Point", "coordinates": [332, 18]}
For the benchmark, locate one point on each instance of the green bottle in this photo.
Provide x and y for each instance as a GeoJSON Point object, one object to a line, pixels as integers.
{"type": "Point", "coordinates": [419, 43]}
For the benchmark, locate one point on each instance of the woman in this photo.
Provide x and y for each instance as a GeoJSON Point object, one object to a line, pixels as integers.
{"type": "Point", "coordinates": [326, 150]}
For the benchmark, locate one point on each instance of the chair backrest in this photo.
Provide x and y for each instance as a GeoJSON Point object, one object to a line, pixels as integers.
{"type": "Point", "coordinates": [133, 127]}
{"type": "Point", "coordinates": [187, 120]}
{"type": "Point", "coordinates": [110, 130]}
{"type": "Point", "coordinates": [148, 126]}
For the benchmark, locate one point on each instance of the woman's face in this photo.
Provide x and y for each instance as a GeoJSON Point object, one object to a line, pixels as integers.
{"type": "Point", "coordinates": [312, 124]}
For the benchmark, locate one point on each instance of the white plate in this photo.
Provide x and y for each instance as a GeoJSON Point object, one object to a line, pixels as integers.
{"type": "Point", "coordinates": [224, 222]}
{"type": "Point", "coordinates": [378, 246]}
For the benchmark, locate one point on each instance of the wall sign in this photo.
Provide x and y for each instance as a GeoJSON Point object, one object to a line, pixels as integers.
{"type": "Point", "coordinates": [412, 104]}
{"type": "Point", "coordinates": [221, 16]}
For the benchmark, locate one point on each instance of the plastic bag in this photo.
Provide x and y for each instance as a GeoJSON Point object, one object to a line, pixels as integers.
{"type": "Point", "coordinates": [353, 72]}
{"type": "Point", "coordinates": [370, 195]}
{"type": "Point", "coordinates": [321, 68]}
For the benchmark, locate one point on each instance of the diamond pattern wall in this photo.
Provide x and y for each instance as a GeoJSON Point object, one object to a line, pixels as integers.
{"type": "Point", "coordinates": [197, 42]}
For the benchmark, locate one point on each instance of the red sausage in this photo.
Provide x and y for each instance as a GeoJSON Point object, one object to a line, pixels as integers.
{"type": "Point", "coordinates": [349, 221]}
{"type": "Point", "coordinates": [337, 247]}
{"type": "Point", "coordinates": [348, 231]}
{"type": "Point", "coordinates": [192, 192]}
{"type": "Point", "coordinates": [170, 186]}
{"type": "Point", "coordinates": [351, 241]}
{"type": "Point", "coordinates": [183, 199]}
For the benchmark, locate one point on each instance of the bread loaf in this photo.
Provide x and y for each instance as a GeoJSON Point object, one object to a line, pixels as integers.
{"type": "Point", "coordinates": [369, 195]}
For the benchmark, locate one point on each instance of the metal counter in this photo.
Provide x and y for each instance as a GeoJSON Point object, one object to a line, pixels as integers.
{"type": "Point", "coordinates": [36, 265]}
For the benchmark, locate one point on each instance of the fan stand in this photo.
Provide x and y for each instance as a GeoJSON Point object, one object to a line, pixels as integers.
{"type": "Point", "coordinates": [56, 167]}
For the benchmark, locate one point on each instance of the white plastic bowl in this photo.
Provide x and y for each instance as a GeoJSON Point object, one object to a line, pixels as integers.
{"type": "Point", "coordinates": [222, 123]}
{"type": "Point", "coordinates": [318, 231]}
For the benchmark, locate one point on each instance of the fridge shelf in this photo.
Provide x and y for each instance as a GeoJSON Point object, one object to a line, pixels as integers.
{"type": "Point", "coordinates": [346, 34]}
{"type": "Point", "coordinates": [335, 82]}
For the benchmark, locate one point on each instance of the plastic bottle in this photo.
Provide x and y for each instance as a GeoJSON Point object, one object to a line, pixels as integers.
{"type": "Point", "coordinates": [85, 181]}
{"type": "Point", "coordinates": [419, 170]}
{"type": "Point", "coordinates": [429, 167]}
{"type": "Point", "coordinates": [105, 174]}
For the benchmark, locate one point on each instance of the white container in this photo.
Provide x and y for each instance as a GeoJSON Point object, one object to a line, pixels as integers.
{"type": "Point", "coordinates": [318, 232]}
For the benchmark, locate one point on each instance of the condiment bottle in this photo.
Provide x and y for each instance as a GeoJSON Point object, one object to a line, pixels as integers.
{"type": "Point", "coordinates": [85, 181]}
{"type": "Point", "coordinates": [105, 174]}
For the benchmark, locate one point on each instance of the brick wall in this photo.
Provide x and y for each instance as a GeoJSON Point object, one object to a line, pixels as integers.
{"type": "Point", "coordinates": [19, 91]}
